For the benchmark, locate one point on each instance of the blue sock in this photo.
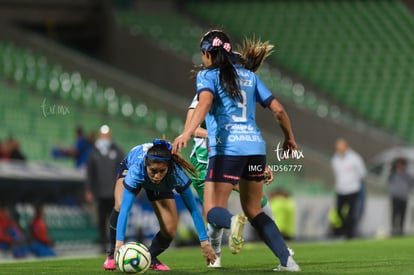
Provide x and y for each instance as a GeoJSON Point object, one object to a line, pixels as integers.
{"type": "Point", "coordinates": [270, 234]}
{"type": "Point", "coordinates": [219, 217]}
{"type": "Point", "coordinates": [158, 245]}
{"type": "Point", "coordinates": [113, 220]}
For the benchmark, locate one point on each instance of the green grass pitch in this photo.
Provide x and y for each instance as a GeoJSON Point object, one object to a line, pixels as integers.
{"type": "Point", "coordinates": [389, 256]}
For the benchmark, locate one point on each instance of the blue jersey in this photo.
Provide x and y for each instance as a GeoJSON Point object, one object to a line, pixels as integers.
{"type": "Point", "coordinates": [137, 176]}
{"type": "Point", "coordinates": [231, 123]}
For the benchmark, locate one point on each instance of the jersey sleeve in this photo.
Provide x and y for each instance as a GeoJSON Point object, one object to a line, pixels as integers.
{"type": "Point", "coordinates": [127, 200]}
{"type": "Point", "coordinates": [264, 95]}
{"type": "Point", "coordinates": [360, 165]}
{"type": "Point", "coordinates": [205, 82]}
{"type": "Point", "coordinates": [190, 203]}
{"type": "Point", "coordinates": [132, 179]}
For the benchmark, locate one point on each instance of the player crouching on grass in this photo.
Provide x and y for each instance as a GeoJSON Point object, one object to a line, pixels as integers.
{"type": "Point", "coordinates": [152, 167]}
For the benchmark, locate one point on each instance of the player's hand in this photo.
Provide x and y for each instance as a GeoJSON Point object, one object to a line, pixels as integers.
{"type": "Point", "coordinates": [208, 253]}
{"type": "Point", "coordinates": [290, 144]}
{"type": "Point", "coordinates": [180, 142]}
{"type": "Point", "coordinates": [269, 176]}
{"type": "Point", "coordinates": [118, 245]}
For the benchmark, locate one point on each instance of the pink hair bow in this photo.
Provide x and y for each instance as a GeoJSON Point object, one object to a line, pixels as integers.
{"type": "Point", "coordinates": [217, 42]}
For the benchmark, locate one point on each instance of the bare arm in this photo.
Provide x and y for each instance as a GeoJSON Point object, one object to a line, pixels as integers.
{"type": "Point", "coordinates": [199, 132]}
{"type": "Point", "coordinates": [204, 104]}
{"type": "Point", "coordinates": [283, 119]}
{"type": "Point", "coordinates": [190, 113]}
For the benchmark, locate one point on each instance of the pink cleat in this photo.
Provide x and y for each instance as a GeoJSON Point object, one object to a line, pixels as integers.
{"type": "Point", "coordinates": [158, 266]}
{"type": "Point", "coordinates": [109, 264]}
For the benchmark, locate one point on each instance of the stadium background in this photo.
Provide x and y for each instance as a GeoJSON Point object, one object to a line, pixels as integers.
{"type": "Point", "coordinates": [341, 69]}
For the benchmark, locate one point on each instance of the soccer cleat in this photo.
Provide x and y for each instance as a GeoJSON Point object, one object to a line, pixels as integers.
{"type": "Point", "coordinates": [291, 266]}
{"type": "Point", "coordinates": [109, 263]}
{"type": "Point", "coordinates": [236, 233]}
{"type": "Point", "coordinates": [217, 262]}
{"type": "Point", "coordinates": [158, 266]}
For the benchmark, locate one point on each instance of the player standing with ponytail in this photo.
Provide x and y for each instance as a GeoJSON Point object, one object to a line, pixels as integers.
{"type": "Point", "coordinates": [227, 95]}
{"type": "Point", "coordinates": [250, 55]}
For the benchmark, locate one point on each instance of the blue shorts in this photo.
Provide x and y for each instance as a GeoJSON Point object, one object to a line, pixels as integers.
{"type": "Point", "coordinates": [154, 195]}
{"type": "Point", "coordinates": [151, 194]}
{"type": "Point", "coordinates": [232, 168]}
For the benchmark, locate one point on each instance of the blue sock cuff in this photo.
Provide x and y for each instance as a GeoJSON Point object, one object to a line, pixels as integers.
{"type": "Point", "coordinates": [219, 217]}
{"type": "Point", "coordinates": [261, 219]}
{"type": "Point", "coordinates": [159, 244]}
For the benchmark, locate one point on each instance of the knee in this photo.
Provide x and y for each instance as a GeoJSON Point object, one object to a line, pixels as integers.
{"type": "Point", "coordinates": [252, 212]}
{"type": "Point", "coordinates": [169, 232]}
{"type": "Point", "coordinates": [119, 189]}
{"type": "Point", "coordinates": [211, 213]}
{"type": "Point", "coordinates": [117, 205]}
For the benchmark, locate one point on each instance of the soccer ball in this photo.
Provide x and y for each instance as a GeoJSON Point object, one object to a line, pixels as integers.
{"type": "Point", "coordinates": [133, 257]}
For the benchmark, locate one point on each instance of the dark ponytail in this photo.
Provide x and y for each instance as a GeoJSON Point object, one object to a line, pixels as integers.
{"type": "Point", "coordinates": [217, 43]}
{"type": "Point", "coordinates": [188, 167]}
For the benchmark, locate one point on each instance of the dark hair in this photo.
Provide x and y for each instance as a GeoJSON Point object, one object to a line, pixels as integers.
{"type": "Point", "coordinates": [79, 130]}
{"type": "Point", "coordinates": [400, 161]}
{"type": "Point", "coordinates": [160, 152]}
{"type": "Point", "coordinates": [250, 55]}
{"type": "Point", "coordinates": [38, 207]}
{"type": "Point", "coordinates": [217, 43]}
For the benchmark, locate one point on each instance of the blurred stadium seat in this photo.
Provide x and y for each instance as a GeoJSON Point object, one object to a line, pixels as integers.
{"type": "Point", "coordinates": [52, 101]}
{"type": "Point", "coordinates": [67, 225]}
